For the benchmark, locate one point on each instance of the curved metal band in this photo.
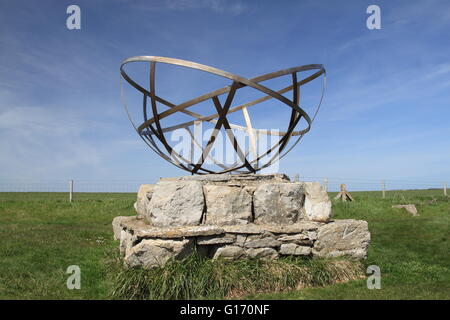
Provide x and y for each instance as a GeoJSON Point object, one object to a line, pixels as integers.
{"type": "Point", "coordinates": [237, 83]}
{"type": "Point", "coordinates": [252, 83]}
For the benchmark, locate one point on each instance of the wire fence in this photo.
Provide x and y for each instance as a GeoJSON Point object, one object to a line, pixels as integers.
{"type": "Point", "coordinates": [356, 184]}
{"type": "Point", "coordinates": [132, 186]}
{"type": "Point", "coordinates": [91, 186]}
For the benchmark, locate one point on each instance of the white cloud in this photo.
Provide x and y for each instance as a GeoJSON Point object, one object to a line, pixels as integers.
{"type": "Point", "coordinates": [440, 70]}
{"type": "Point", "coordinates": [37, 142]}
{"type": "Point", "coordinates": [219, 6]}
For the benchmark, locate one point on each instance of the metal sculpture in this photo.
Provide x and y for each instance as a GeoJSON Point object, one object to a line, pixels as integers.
{"type": "Point", "coordinates": [151, 127]}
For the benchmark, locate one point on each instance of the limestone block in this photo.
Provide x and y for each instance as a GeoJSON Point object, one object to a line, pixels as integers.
{"type": "Point", "coordinates": [300, 226]}
{"type": "Point", "coordinates": [127, 240]}
{"type": "Point", "coordinates": [262, 253]}
{"type": "Point", "coordinates": [235, 179]}
{"type": "Point", "coordinates": [176, 203]}
{"type": "Point", "coordinates": [300, 238]}
{"type": "Point", "coordinates": [143, 230]}
{"type": "Point", "coordinates": [155, 253]}
{"type": "Point", "coordinates": [179, 232]}
{"type": "Point", "coordinates": [143, 199]}
{"type": "Point", "coordinates": [294, 249]}
{"type": "Point", "coordinates": [410, 208]}
{"type": "Point", "coordinates": [117, 225]}
{"type": "Point", "coordinates": [343, 238]}
{"type": "Point", "coordinates": [240, 240]}
{"type": "Point", "coordinates": [222, 239]}
{"type": "Point", "coordinates": [261, 241]}
{"type": "Point", "coordinates": [227, 205]}
{"type": "Point", "coordinates": [317, 204]}
{"type": "Point", "coordinates": [277, 203]}
{"type": "Point", "coordinates": [229, 253]}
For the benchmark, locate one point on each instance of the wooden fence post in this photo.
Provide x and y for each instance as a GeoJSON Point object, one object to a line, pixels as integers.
{"type": "Point", "coordinates": [383, 188]}
{"type": "Point", "coordinates": [70, 190]}
{"type": "Point", "coordinates": [445, 189]}
{"type": "Point", "coordinates": [325, 184]}
{"type": "Point", "coordinates": [343, 194]}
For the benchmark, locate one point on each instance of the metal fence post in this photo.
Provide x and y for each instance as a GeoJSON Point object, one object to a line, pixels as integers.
{"type": "Point", "coordinates": [325, 183]}
{"type": "Point", "coordinates": [70, 190]}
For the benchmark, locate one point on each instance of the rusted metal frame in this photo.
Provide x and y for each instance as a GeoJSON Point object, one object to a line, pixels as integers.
{"type": "Point", "coordinates": [235, 168]}
{"type": "Point", "coordinates": [174, 155]}
{"type": "Point", "coordinates": [218, 163]}
{"type": "Point", "coordinates": [315, 114]}
{"type": "Point", "coordinates": [295, 117]}
{"type": "Point", "coordinates": [205, 68]}
{"type": "Point", "coordinates": [220, 120]}
{"type": "Point", "coordinates": [200, 99]}
{"type": "Point", "coordinates": [158, 151]}
{"type": "Point", "coordinates": [222, 165]}
{"type": "Point", "coordinates": [220, 91]}
{"type": "Point", "coordinates": [140, 136]}
{"type": "Point", "coordinates": [189, 163]}
{"type": "Point", "coordinates": [265, 98]}
{"type": "Point", "coordinates": [170, 159]}
{"type": "Point", "coordinates": [230, 76]}
{"type": "Point", "coordinates": [291, 126]}
{"type": "Point", "coordinates": [232, 137]}
{"type": "Point", "coordinates": [301, 133]}
{"type": "Point", "coordinates": [149, 136]}
{"type": "Point", "coordinates": [159, 99]}
{"type": "Point", "coordinates": [252, 103]}
{"type": "Point", "coordinates": [284, 140]}
{"type": "Point", "coordinates": [308, 120]}
{"type": "Point", "coordinates": [251, 133]}
{"type": "Point", "coordinates": [161, 153]}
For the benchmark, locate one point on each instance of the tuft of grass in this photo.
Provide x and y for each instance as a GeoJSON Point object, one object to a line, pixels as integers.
{"type": "Point", "coordinates": [198, 278]}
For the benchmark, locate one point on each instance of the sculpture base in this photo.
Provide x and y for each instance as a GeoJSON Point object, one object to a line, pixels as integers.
{"type": "Point", "coordinates": [234, 217]}
{"type": "Point", "coordinates": [222, 199]}
{"type": "Point", "coordinates": [148, 247]}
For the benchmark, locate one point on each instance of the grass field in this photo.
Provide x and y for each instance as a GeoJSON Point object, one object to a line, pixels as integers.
{"type": "Point", "coordinates": [42, 234]}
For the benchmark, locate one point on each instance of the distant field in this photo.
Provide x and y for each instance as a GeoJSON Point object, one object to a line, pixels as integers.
{"type": "Point", "coordinates": [42, 234]}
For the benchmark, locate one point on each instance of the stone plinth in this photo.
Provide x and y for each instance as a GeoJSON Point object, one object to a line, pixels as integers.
{"type": "Point", "coordinates": [232, 199]}
{"type": "Point", "coordinates": [234, 217]}
{"type": "Point", "coordinates": [148, 246]}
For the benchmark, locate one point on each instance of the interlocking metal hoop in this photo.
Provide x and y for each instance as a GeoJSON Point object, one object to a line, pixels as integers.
{"type": "Point", "coordinates": [151, 127]}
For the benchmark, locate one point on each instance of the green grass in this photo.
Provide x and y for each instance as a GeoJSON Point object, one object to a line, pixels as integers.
{"type": "Point", "coordinates": [42, 234]}
{"type": "Point", "coordinates": [200, 278]}
{"type": "Point", "coordinates": [41, 237]}
{"type": "Point", "coordinates": [412, 252]}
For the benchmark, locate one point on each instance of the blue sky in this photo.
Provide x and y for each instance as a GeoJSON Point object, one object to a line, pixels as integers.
{"type": "Point", "coordinates": [386, 112]}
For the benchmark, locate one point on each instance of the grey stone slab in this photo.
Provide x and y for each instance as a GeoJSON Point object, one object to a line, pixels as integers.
{"type": "Point", "coordinates": [343, 238]}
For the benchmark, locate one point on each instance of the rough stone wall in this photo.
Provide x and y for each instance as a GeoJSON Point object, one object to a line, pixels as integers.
{"type": "Point", "coordinates": [235, 217]}
{"type": "Point", "coordinates": [147, 246]}
{"type": "Point", "coordinates": [232, 199]}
